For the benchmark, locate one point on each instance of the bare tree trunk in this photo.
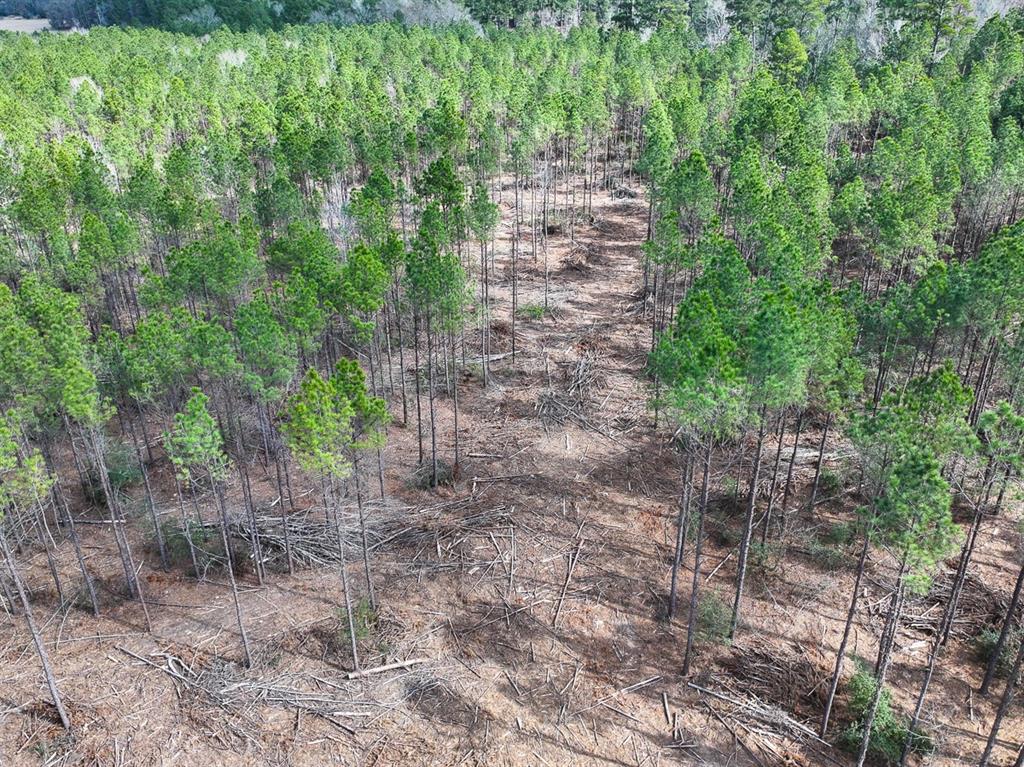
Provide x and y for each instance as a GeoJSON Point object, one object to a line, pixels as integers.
{"type": "Point", "coordinates": [349, 613]}
{"type": "Point", "coordinates": [185, 528]}
{"type": "Point", "coordinates": [430, 399]}
{"type": "Point", "coordinates": [821, 458]}
{"type": "Point", "coordinates": [766, 522]}
{"type": "Point", "coordinates": [1004, 705]}
{"type": "Point", "coordinates": [362, 534]}
{"type": "Point", "coordinates": [416, 362]}
{"type": "Point", "coordinates": [254, 534]}
{"type": "Point", "coordinates": [841, 653]}
{"type": "Point", "coordinates": [896, 609]}
{"type": "Point", "coordinates": [44, 658]}
{"type": "Point", "coordinates": [455, 404]}
{"type": "Point", "coordinates": [741, 574]}
{"type": "Point", "coordinates": [945, 624]}
{"type": "Point", "coordinates": [229, 559]}
{"type": "Point", "coordinates": [76, 543]}
{"type": "Point", "coordinates": [1004, 632]}
{"type": "Point", "coordinates": [682, 523]}
{"type": "Point", "coordinates": [157, 532]}
{"type": "Point", "coordinates": [118, 523]}
{"type": "Point", "coordinates": [789, 471]}
{"type": "Point", "coordinates": [698, 546]}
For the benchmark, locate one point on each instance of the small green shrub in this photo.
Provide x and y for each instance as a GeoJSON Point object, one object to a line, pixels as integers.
{"type": "Point", "coordinates": [123, 466]}
{"type": "Point", "coordinates": [827, 556]}
{"type": "Point", "coordinates": [206, 541]}
{"type": "Point", "coordinates": [829, 484]}
{"type": "Point", "coordinates": [123, 470]}
{"type": "Point", "coordinates": [713, 618]}
{"type": "Point", "coordinates": [363, 616]}
{"type": "Point", "coordinates": [532, 311]}
{"type": "Point", "coordinates": [765, 559]}
{"type": "Point", "coordinates": [422, 477]}
{"type": "Point", "coordinates": [730, 485]}
{"type": "Point", "coordinates": [889, 730]}
{"type": "Point", "coordinates": [985, 645]}
{"type": "Point", "coordinates": [841, 534]}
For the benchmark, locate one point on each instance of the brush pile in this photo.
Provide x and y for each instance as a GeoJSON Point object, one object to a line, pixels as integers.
{"type": "Point", "coordinates": [980, 607]}
{"type": "Point", "coordinates": [797, 680]}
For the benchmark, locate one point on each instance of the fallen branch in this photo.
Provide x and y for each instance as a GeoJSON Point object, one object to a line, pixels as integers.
{"type": "Point", "coordinates": [386, 667]}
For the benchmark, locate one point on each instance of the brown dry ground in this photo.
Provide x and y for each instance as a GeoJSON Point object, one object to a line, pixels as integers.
{"type": "Point", "coordinates": [503, 685]}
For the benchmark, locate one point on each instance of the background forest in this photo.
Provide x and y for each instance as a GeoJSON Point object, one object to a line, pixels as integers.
{"type": "Point", "coordinates": [233, 268]}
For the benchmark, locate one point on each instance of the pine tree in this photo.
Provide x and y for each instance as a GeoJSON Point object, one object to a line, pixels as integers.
{"type": "Point", "coordinates": [196, 449]}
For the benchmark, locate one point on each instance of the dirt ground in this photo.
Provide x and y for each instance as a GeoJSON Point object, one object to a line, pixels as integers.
{"type": "Point", "coordinates": [517, 664]}
{"type": "Point", "coordinates": [18, 24]}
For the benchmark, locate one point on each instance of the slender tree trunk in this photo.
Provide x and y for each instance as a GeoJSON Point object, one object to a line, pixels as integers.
{"type": "Point", "coordinates": [157, 532]}
{"type": "Point", "coordinates": [896, 609]}
{"type": "Point", "coordinates": [37, 639]}
{"type": "Point", "coordinates": [766, 523]}
{"type": "Point", "coordinates": [430, 399]}
{"type": "Point", "coordinates": [821, 459]}
{"type": "Point", "coordinates": [698, 545]}
{"type": "Point", "coordinates": [455, 406]}
{"type": "Point", "coordinates": [517, 243]}
{"type": "Point", "coordinates": [944, 628]}
{"type": "Point", "coordinates": [484, 312]}
{"type": "Point", "coordinates": [284, 520]}
{"type": "Point", "coordinates": [229, 560]}
{"type": "Point", "coordinates": [1004, 705]}
{"type": "Point", "coordinates": [255, 546]}
{"type": "Point", "coordinates": [847, 629]}
{"type": "Point", "coordinates": [362, 534]}
{"type": "Point", "coordinates": [416, 362]}
{"type": "Point", "coordinates": [76, 543]}
{"type": "Point", "coordinates": [349, 612]}
{"type": "Point", "coordinates": [1004, 632]}
{"type": "Point", "coordinates": [118, 522]}
{"type": "Point", "coordinates": [741, 573]}
{"type": "Point", "coordinates": [789, 471]}
{"type": "Point", "coordinates": [401, 361]}
{"type": "Point", "coordinates": [43, 533]}
{"type": "Point", "coordinates": [186, 529]}
{"type": "Point", "coordinates": [682, 523]}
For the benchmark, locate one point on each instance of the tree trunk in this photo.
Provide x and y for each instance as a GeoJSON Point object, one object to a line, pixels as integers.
{"type": "Point", "coordinates": [185, 530]}
{"type": "Point", "coordinates": [362, 533]}
{"type": "Point", "coordinates": [430, 399]}
{"type": "Point", "coordinates": [766, 522]}
{"type": "Point", "coordinates": [44, 658]}
{"type": "Point", "coordinates": [821, 458]}
{"type": "Point", "coordinates": [229, 559]}
{"type": "Point", "coordinates": [157, 532]}
{"type": "Point", "coordinates": [455, 405]}
{"type": "Point", "coordinates": [887, 648]}
{"type": "Point", "coordinates": [349, 614]}
{"type": "Point", "coordinates": [76, 543]}
{"type": "Point", "coordinates": [1004, 632]}
{"type": "Point", "coordinates": [698, 545]}
{"type": "Point", "coordinates": [120, 533]}
{"type": "Point", "coordinates": [1004, 705]}
{"type": "Point", "coordinates": [945, 625]}
{"type": "Point", "coordinates": [741, 574]}
{"type": "Point", "coordinates": [841, 654]}
{"type": "Point", "coordinates": [416, 362]}
{"type": "Point", "coordinates": [682, 522]}
{"type": "Point", "coordinates": [789, 471]}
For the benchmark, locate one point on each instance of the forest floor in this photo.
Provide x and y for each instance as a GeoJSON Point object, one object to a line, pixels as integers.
{"type": "Point", "coordinates": [532, 593]}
